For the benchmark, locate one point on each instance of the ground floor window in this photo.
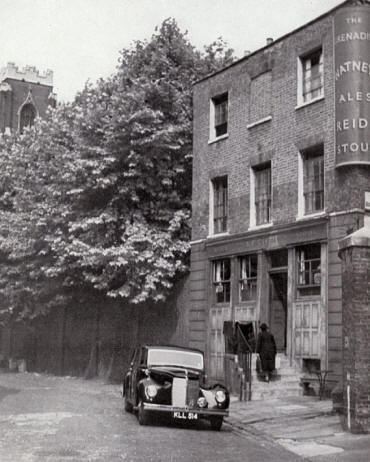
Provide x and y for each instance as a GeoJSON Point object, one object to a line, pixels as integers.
{"type": "Point", "coordinates": [221, 280]}
{"type": "Point", "coordinates": [308, 270]}
{"type": "Point", "coordinates": [248, 277]}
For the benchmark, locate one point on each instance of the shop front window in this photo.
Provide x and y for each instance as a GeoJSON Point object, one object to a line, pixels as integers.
{"type": "Point", "coordinates": [248, 278]}
{"type": "Point", "coordinates": [221, 280]}
{"type": "Point", "coordinates": [309, 270]}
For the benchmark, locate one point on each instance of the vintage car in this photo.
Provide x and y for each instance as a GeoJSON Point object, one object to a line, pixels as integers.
{"type": "Point", "coordinates": [171, 380]}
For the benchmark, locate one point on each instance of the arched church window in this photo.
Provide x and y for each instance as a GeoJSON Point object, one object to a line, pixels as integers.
{"type": "Point", "coordinates": [27, 116]}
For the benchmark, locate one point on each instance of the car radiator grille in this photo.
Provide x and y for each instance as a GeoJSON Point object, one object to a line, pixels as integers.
{"type": "Point", "coordinates": [193, 392]}
{"type": "Point", "coordinates": [178, 392]}
{"type": "Point", "coordinates": [182, 396]}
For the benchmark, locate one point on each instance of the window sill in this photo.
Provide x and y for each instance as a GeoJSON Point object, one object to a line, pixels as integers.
{"type": "Point", "coordinates": [213, 236]}
{"type": "Point", "coordinates": [219, 138]}
{"type": "Point", "coordinates": [310, 216]}
{"type": "Point", "coordinates": [308, 103]}
{"type": "Point", "coordinates": [257, 227]}
{"type": "Point", "coordinates": [259, 122]}
{"type": "Point", "coordinates": [246, 302]}
{"type": "Point", "coordinates": [307, 298]}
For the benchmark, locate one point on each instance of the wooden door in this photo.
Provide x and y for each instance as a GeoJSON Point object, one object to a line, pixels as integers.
{"type": "Point", "coordinates": [218, 314]}
{"type": "Point", "coordinates": [307, 329]}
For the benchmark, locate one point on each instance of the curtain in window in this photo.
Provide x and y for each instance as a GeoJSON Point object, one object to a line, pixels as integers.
{"type": "Point", "coordinates": [217, 271]}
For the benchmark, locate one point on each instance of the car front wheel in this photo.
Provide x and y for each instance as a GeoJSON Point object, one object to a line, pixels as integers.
{"type": "Point", "coordinates": [216, 423]}
{"type": "Point", "coordinates": [142, 415]}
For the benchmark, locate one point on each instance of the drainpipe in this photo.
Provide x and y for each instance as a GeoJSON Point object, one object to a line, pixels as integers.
{"type": "Point", "coordinates": [348, 401]}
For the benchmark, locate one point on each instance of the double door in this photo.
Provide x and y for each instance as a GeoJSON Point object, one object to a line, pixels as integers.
{"type": "Point", "coordinates": [218, 315]}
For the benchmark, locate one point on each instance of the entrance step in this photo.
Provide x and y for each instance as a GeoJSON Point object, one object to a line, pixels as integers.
{"type": "Point", "coordinates": [285, 381]}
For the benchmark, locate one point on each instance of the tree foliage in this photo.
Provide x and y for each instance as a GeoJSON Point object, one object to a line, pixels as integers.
{"type": "Point", "coordinates": [97, 195]}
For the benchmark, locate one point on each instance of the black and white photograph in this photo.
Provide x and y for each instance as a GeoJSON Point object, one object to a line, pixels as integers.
{"type": "Point", "coordinates": [185, 230]}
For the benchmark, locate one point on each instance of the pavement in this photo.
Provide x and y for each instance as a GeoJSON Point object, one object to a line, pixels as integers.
{"type": "Point", "coordinates": [303, 425]}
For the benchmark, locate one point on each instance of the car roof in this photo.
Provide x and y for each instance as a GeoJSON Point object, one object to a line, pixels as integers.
{"type": "Point", "coordinates": [173, 347]}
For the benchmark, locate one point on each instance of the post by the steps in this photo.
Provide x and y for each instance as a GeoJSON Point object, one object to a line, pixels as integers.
{"type": "Point", "coordinates": [354, 251]}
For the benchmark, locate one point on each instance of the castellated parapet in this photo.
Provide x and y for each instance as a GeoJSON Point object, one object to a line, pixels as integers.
{"type": "Point", "coordinates": [28, 74]}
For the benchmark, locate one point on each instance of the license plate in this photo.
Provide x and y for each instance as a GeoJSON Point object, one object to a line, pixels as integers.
{"type": "Point", "coordinates": [185, 415]}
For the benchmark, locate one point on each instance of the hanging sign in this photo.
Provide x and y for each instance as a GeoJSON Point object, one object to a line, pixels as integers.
{"type": "Point", "coordinates": [352, 85]}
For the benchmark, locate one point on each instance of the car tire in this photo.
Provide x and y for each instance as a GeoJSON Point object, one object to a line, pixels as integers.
{"type": "Point", "coordinates": [128, 406]}
{"type": "Point", "coordinates": [216, 423]}
{"type": "Point", "coordinates": [142, 415]}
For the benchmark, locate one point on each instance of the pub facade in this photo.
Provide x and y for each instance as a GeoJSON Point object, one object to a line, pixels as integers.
{"type": "Point", "coordinates": [281, 168]}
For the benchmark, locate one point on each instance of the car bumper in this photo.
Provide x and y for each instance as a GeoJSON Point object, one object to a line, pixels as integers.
{"type": "Point", "coordinates": [205, 412]}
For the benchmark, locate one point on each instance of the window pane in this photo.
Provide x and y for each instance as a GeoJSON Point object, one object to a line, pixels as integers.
{"type": "Point", "coordinates": [27, 117]}
{"type": "Point", "coordinates": [221, 114]}
{"type": "Point", "coordinates": [248, 277]}
{"type": "Point", "coordinates": [221, 280]}
{"type": "Point", "coordinates": [263, 195]}
{"type": "Point", "coordinates": [313, 181]}
{"type": "Point", "coordinates": [313, 80]}
{"type": "Point", "coordinates": [309, 270]}
{"type": "Point", "coordinates": [220, 205]}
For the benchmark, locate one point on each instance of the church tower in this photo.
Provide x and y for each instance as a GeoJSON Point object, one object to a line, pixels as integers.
{"type": "Point", "coordinates": [24, 95]}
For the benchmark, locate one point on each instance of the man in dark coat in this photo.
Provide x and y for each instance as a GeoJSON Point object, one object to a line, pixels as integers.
{"type": "Point", "coordinates": [266, 348]}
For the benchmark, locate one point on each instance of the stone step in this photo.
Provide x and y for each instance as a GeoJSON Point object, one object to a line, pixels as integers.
{"type": "Point", "coordinates": [275, 393]}
{"type": "Point", "coordinates": [286, 381]}
{"type": "Point", "coordinates": [281, 373]}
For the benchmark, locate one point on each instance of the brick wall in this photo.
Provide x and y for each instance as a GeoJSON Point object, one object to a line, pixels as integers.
{"type": "Point", "coordinates": [356, 332]}
{"type": "Point", "coordinates": [279, 139]}
{"type": "Point", "coordinates": [198, 313]}
{"type": "Point", "coordinates": [339, 227]}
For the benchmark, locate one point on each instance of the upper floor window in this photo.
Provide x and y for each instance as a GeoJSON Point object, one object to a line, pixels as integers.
{"type": "Point", "coordinates": [219, 205]}
{"type": "Point", "coordinates": [219, 116]}
{"type": "Point", "coordinates": [308, 270]}
{"type": "Point", "coordinates": [221, 280]}
{"type": "Point", "coordinates": [248, 278]}
{"type": "Point", "coordinates": [310, 77]}
{"type": "Point", "coordinates": [313, 180]}
{"type": "Point", "coordinates": [27, 116]}
{"type": "Point", "coordinates": [262, 194]}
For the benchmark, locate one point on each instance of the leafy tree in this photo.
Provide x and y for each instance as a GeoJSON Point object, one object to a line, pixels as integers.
{"type": "Point", "coordinates": [98, 195]}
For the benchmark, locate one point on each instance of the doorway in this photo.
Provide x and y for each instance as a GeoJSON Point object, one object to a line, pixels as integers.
{"type": "Point", "coordinates": [279, 308]}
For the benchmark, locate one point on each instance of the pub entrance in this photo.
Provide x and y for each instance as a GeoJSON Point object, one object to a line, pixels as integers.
{"type": "Point", "coordinates": [278, 297]}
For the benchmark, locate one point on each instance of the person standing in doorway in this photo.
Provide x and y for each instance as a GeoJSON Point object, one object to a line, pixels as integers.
{"type": "Point", "coordinates": [266, 348]}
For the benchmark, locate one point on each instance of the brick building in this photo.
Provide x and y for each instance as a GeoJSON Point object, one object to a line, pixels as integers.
{"type": "Point", "coordinates": [24, 95]}
{"type": "Point", "coordinates": [281, 167]}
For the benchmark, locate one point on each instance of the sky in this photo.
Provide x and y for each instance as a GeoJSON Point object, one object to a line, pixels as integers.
{"type": "Point", "coordinates": [80, 40]}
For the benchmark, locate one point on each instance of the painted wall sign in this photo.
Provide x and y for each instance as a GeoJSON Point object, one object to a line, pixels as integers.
{"type": "Point", "coordinates": [352, 85]}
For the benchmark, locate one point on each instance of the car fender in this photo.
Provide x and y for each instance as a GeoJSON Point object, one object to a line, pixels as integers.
{"type": "Point", "coordinates": [209, 392]}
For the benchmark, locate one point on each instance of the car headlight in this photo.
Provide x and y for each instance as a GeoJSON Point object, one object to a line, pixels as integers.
{"type": "Point", "coordinates": [151, 391]}
{"type": "Point", "coordinates": [202, 402]}
{"type": "Point", "coordinates": [220, 396]}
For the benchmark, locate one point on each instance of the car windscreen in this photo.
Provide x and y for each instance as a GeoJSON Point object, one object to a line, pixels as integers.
{"type": "Point", "coordinates": [167, 357]}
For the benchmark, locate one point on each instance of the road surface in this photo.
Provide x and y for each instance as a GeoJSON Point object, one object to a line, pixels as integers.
{"type": "Point", "coordinates": [47, 418]}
